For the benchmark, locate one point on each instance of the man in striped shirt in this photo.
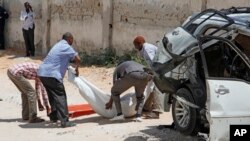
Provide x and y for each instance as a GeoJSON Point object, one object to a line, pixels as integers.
{"type": "Point", "coordinates": [19, 74]}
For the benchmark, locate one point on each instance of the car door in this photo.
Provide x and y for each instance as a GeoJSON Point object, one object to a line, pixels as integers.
{"type": "Point", "coordinates": [226, 71]}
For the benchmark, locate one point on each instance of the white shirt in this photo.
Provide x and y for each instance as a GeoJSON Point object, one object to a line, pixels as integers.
{"type": "Point", "coordinates": [148, 53]}
{"type": "Point", "coordinates": [29, 22]}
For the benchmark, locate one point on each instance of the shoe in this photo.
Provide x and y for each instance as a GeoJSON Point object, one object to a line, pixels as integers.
{"type": "Point", "coordinates": [36, 120]}
{"type": "Point", "coordinates": [53, 121]}
{"type": "Point", "coordinates": [25, 119]}
{"type": "Point", "coordinates": [67, 124]}
{"type": "Point", "coordinates": [121, 117]}
{"type": "Point", "coordinates": [1, 99]}
{"type": "Point", "coordinates": [138, 119]}
{"type": "Point", "coordinates": [153, 115]}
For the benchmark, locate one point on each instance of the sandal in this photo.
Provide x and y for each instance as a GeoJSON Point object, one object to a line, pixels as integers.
{"type": "Point", "coordinates": [36, 120]}
{"type": "Point", "coordinates": [153, 115]}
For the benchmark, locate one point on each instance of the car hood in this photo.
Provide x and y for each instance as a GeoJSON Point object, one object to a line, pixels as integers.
{"type": "Point", "coordinates": [172, 49]}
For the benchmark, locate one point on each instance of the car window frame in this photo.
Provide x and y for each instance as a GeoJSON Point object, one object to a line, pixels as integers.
{"type": "Point", "coordinates": [234, 47]}
{"type": "Point", "coordinates": [213, 13]}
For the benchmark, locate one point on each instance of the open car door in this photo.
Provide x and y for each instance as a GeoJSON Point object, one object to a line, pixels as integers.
{"type": "Point", "coordinates": [227, 78]}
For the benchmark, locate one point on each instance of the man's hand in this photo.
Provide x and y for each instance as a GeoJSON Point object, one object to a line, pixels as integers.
{"type": "Point", "coordinates": [48, 110]}
{"type": "Point", "coordinates": [77, 71]}
{"type": "Point", "coordinates": [149, 71]}
{"type": "Point", "coordinates": [30, 7]}
{"type": "Point", "coordinates": [40, 106]}
{"type": "Point", "coordinates": [108, 105]}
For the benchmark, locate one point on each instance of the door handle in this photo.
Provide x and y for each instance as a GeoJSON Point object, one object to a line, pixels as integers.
{"type": "Point", "coordinates": [221, 89]}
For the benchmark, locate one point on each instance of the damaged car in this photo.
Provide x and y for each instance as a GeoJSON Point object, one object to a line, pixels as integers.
{"type": "Point", "coordinates": [203, 66]}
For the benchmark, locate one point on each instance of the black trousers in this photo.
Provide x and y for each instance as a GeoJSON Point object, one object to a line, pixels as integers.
{"type": "Point", "coordinates": [28, 36]}
{"type": "Point", "coordinates": [57, 99]}
{"type": "Point", "coordinates": [2, 38]}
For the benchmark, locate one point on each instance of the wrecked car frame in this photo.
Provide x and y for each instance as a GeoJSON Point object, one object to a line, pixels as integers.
{"type": "Point", "coordinates": [204, 68]}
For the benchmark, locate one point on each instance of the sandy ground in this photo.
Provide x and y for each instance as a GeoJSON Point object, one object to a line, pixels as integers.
{"type": "Point", "coordinates": [89, 128]}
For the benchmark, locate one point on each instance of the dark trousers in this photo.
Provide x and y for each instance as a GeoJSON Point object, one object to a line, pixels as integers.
{"type": "Point", "coordinates": [137, 79]}
{"type": "Point", "coordinates": [57, 99]}
{"type": "Point", "coordinates": [28, 36]}
{"type": "Point", "coordinates": [2, 39]}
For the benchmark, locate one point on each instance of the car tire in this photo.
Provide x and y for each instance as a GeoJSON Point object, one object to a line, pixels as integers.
{"type": "Point", "coordinates": [185, 117]}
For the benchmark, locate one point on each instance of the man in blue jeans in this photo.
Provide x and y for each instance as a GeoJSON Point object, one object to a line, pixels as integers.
{"type": "Point", "coordinates": [51, 73]}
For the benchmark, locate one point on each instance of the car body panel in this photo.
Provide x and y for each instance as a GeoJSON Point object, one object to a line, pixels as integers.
{"type": "Point", "coordinates": [226, 109]}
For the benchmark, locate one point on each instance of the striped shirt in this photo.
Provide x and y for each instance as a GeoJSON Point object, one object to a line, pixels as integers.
{"type": "Point", "coordinates": [29, 71]}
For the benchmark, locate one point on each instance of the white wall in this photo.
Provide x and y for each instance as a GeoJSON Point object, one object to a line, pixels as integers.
{"type": "Point", "coordinates": [90, 21]}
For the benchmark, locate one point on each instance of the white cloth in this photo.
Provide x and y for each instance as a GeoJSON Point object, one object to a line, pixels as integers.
{"type": "Point", "coordinates": [29, 22]}
{"type": "Point", "coordinates": [97, 98]}
{"type": "Point", "coordinates": [148, 52]}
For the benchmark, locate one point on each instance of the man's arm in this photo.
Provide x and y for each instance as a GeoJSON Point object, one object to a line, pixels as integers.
{"type": "Point", "coordinates": [44, 97]}
{"type": "Point", "coordinates": [77, 61]}
{"type": "Point", "coordinates": [6, 15]}
{"type": "Point", "coordinates": [23, 16]}
{"type": "Point", "coordinates": [40, 106]}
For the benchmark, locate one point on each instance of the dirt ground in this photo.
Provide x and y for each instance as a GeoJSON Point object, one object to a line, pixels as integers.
{"type": "Point", "coordinates": [89, 128]}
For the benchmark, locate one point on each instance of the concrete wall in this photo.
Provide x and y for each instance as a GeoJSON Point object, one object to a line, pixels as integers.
{"type": "Point", "coordinates": [13, 30]}
{"type": "Point", "coordinates": [83, 18]}
{"type": "Point", "coordinates": [150, 18]}
{"type": "Point", "coordinates": [98, 24]}
{"type": "Point", "coordinates": [219, 4]}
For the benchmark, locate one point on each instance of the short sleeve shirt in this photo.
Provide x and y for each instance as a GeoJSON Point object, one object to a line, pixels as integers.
{"type": "Point", "coordinates": [56, 62]}
{"type": "Point", "coordinates": [148, 52]}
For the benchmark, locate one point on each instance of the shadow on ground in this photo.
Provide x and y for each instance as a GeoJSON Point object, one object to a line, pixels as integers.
{"type": "Point", "coordinates": [101, 120]}
{"type": "Point", "coordinates": [47, 124]}
{"type": "Point", "coordinates": [12, 120]}
{"type": "Point", "coordinates": [18, 54]}
{"type": "Point", "coordinates": [155, 134]}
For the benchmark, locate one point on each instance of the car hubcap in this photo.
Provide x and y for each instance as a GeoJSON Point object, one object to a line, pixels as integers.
{"type": "Point", "coordinates": [182, 114]}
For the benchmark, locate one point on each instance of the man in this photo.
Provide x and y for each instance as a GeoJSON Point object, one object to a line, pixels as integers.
{"type": "Point", "coordinates": [19, 74]}
{"type": "Point", "coordinates": [148, 51]}
{"type": "Point", "coordinates": [126, 75]}
{"type": "Point", "coordinates": [28, 28]}
{"type": "Point", "coordinates": [3, 16]}
{"type": "Point", "coordinates": [51, 73]}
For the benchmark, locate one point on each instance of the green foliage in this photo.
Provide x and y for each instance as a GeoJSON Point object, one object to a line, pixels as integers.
{"type": "Point", "coordinates": [109, 58]}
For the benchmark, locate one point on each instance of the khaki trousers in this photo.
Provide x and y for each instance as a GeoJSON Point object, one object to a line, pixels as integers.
{"type": "Point", "coordinates": [153, 102]}
{"type": "Point", "coordinates": [139, 81]}
{"type": "Point", "coordinates": [28, 95]}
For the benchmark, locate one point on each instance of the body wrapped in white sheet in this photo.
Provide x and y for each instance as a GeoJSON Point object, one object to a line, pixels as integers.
{"type": "Point", "coordinates": [97, 98]}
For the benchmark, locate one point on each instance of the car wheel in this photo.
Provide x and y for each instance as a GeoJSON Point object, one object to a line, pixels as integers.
{"type": "Point", "coordinates": [184, 116]}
